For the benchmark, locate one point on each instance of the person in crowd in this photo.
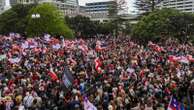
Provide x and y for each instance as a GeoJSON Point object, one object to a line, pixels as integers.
{"type": "Point", "coordinates": [108, 74]}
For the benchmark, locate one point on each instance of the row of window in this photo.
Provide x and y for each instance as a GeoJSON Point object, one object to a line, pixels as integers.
{"type": "Point", "coordinates": [185, 6]}
{"type": "Point", "coordinates": [66, 6]}
{"type": "Point", "coordinates": [182, 8]}
{"type": "Point", "coordinates": [26, 1]}
{"type": "Point", "coordinates": [98, 15]}
{"type": "Point", "coordinates": [99, 6]}
{"type": "Point", "coordinates": [97, 10]}
{"type": "Point", "coordinates": [178, 2]}
{"type": "Point", "coordinates": [99, 3]}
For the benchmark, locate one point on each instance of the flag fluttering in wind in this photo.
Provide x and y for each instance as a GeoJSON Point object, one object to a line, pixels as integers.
{"type": "Point", "coordinates": [175, 105]}
{"type": "Point", "coordinates": [190, 58]}
{"type": "Point", "coordinates": [14, 60]}
{"type": "Point", "coordinates": [98, 65]}
{"type": "Point", "coordinates": [53, 75]}
{"type": "Point", "coordinates": [55, 43]}
{"type": "Point", "coordinates": [67, 78]}
{"type": "Point", "coordinates": [71, 61]}
{"type": "Point", "coordinates": [47, 37]}
{"type": "Point", "coordinates": [156, 47]}
{"type": "Point", "coordinates": [56, 46]}
{"type": "Point", "coordinates": [100, 46]}
{"type": "Point", "coordinates": [25, 45]}
{"type": "Point", "coordinates": [84, 48]}
{"type": "Point", "coordinates": [68, 44]}
{"type": "Point", "coordinates": [32, 43]}
{"type": "Point", "coordinates": [16, 47]}
{"type": "Point", "coordinates": [181, 59]}
{"type": "Point", "coordinates": [88, 105]}
{"type": "Point", "coordinates": [37, 50]}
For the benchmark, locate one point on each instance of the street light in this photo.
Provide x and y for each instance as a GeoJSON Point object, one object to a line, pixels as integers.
{"type": "Point", "coordinates": [188, 30]}
{"type": "Point", "coordinates": [34, 16]}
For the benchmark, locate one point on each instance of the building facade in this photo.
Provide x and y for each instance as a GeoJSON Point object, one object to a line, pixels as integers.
{"type": "Point", "coordinates": [182, 5]}
{"type": "Point", "coordinates": [2, 3]}
{"type": "Point", "coordinates": [30, 1]}
{"type": "Point", "coordinates": [24, 2]}
{"type": "Point", "coordinates": [13, 2]}
{"type": "Point", "coordinates": [68, 7]}
{"type": "Point", "coordinates": [99, 11]}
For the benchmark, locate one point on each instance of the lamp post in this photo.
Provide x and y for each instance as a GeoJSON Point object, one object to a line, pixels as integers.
{"type": "Point", "coordinates": [188, 27]}
{"type": "Point", "coordinates": [35, 16]}
{"type": "Point", "coordinates": [188, 31]}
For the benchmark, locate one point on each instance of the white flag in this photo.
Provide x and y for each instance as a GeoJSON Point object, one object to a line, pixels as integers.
{"type": "Point", "coordinates": [88, 105]}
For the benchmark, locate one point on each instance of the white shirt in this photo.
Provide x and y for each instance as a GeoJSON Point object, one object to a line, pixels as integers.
{"type": "Point", "coordinates": [21, 107]}
{"type": "Point", "coordinates": [28, 100]}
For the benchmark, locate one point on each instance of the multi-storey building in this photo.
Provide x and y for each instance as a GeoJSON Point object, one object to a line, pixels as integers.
{"type": "Point", "coordinates": [13, 2]}
{"type": "Point", "coordinates": [1, 6]}
{"type": "Point", "coordinates": [4, 5]}
{"type": "Point", "coordinates": [99, 11]}
{"type": "Point", "coordinates": [182, 5]}
{"type": "Point", "coordinates": [68, 7]}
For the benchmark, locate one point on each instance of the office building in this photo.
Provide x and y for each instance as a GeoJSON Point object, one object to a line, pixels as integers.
{"type": "Point", "coordinates": [4, 5]}
{"type": "Point", "coordinates": [13, 2]}
{"type": "Point", "coordinates": [30, 1]}
{"type": "Point", "coordinates": [68, 7]}
{"type": "Point", "coordinates": [1, 6]}
{"type": "Point", "coordinates": [182, 5]}
{"type": "Point", "coordinates": [99, 11]}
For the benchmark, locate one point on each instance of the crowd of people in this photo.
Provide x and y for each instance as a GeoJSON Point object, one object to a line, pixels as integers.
{"type": "Point", "coordinates": [108, 74]}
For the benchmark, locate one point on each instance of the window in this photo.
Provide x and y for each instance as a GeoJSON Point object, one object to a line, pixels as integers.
{"type": "Point", "coordinates": [188, 2]}
{"type": "Point", "coordinates": [189, 9]}
{"type": "Point", "coordinates": [188, 6]}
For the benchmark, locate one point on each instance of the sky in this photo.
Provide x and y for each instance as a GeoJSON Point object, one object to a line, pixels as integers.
{"type": "Point", "coordinates": [130, 3]}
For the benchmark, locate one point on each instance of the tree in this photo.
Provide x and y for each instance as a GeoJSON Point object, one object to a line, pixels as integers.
{"type": "Point", "coordinates": [165, 22]}
{"type": "Point", "coordinates": [14, 19]}
{"type": "Point", "coordinates": [82, 25]}
{"type": "Point", "coordinates": [183, 22]}
{"type": "Point", "coordinates": [105, 28]}
{"type": "Point", "coordinates": [49, 21]}
{"type": "Point", "coordinates": [117, 7]}
{"type": "Point", "coordinates": [146, 6]}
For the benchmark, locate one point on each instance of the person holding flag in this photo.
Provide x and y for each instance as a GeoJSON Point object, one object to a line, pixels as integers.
{"type": "Point", "coordinates": [52, 74]}
{"type": "Point", "coordinates": [88, 105]}
{"type": "Point", "coordinates": [175, 105]}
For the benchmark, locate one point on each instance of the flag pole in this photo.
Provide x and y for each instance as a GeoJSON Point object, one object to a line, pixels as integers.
{"type": "Point", "coordinates": [169, 102]}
